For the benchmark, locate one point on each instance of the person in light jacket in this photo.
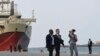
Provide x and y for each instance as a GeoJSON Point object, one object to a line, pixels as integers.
{"type": "Point", "coordinates": [72, 42]}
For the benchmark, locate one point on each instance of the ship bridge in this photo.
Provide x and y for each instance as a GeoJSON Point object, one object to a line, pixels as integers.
{"type": "Point", "coordinates": [8, 8]}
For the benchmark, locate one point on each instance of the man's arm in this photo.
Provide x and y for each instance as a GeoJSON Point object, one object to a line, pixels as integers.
{"type": "Point", "coordinates": [76, 38]}
{"type": "Point", "coordinates": [47, 41]}
{"type": "Point", "coordinates": [61, 41]}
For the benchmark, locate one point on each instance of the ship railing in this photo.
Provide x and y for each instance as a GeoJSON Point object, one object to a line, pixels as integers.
{"type": "Point", "coordinates": [2, 13]}
{"type": "Point", "coordinates": [5, 13]}
{"type": "Point", "coordinates": [17, 21]}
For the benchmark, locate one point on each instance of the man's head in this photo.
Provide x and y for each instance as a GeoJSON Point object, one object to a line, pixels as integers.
{"type": "Point", "coordinates": [73, 30]}
{"type": "Point", "coordinates": [89, 39]}
{"type": "Point", "coordinates": [51, 31]}
{"type": "Point", "coordinates": [57, 31]}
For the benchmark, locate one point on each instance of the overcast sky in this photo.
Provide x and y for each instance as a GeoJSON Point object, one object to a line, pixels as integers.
{"type": "Point", "coordinates": [82, 15]}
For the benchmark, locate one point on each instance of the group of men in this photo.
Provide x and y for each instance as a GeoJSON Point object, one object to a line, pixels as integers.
{"type": "Point", "coordinates": [54, 41]}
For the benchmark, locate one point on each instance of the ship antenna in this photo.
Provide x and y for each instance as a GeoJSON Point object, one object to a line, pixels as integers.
{"type": "Point", "coordinates": [33, 14]}
{"type": "Point", "coordinates": [16, 11]}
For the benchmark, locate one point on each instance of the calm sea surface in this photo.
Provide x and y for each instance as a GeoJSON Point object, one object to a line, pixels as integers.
{"type": "Point", "coordinates": [83, 50]}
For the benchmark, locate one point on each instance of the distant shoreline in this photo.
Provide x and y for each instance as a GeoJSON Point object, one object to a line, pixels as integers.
{"type": "Point", "coordinates": [94, 45]}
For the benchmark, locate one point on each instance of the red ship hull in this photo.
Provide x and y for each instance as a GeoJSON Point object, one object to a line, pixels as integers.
{"type": "Point", "coordinates": [9, 39]}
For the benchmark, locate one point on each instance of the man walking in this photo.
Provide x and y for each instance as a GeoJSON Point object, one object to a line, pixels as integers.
{"type": "Point", "coordinates": [72, 42]}
{"type": "Point", "coordinates": [90, 46]}
{"type": "Point", "coordinates": [58, 41]}
{"type": "Point", "coordinates": [50, 42]}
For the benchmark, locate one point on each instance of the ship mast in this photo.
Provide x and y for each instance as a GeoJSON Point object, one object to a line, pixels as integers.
{"type": "Point", "coordinates": [12, 8]}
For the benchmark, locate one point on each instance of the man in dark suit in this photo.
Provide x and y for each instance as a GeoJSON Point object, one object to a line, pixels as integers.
{"type": "Point", "coordinates": [50, 42]}
{"type": "Point", "coordinates": [58, 41]}
{"type": "Point", "coordinates": [90, 46]}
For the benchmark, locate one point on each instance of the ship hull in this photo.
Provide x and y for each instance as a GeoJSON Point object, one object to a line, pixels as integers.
{"type": "Point", "coordinates": [13, 38]}
{"type": "Point", "coordinates": [9, 39]}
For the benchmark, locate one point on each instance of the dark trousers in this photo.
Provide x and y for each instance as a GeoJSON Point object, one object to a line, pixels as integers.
{"type": "Point", "coordinates": [50, 49]}
{"type": "Point", "coordinates": [90, 49]}
{"type": "Point", "coordinates": [57, 49]}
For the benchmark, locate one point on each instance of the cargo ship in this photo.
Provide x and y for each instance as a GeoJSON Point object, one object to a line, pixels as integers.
{"type": "Point", "coordinates": [14, 30]}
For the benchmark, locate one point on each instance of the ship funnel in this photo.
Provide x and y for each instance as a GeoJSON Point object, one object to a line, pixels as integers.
{"type": "Point", "coordinates": [12, 8]}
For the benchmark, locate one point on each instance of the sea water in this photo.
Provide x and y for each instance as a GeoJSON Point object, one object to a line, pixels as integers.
{"type": "Point", "coordinates": [81, 50]}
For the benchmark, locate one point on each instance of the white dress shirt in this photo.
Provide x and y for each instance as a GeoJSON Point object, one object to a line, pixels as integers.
{"type": "Point", "coordinates": [52, 39]}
